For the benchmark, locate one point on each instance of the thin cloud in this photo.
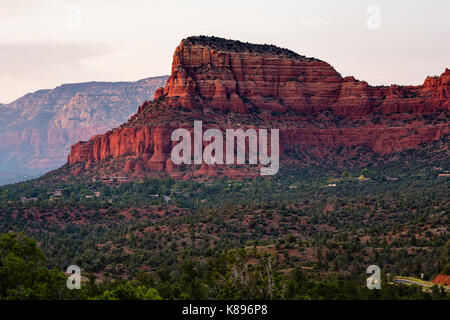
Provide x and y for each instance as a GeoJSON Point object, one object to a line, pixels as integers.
{"type": "Point", "coordinates": [27, 67]}
{"type": "Point", "coordinates": [23, 59]}
{"type": "Point", "coordinates": [313, 23]}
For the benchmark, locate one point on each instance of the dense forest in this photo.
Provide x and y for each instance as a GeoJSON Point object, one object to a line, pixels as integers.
{"type": "Point", "coordinates": [237, 274]}
{"type": "Point", "coordinates": [306, 233]}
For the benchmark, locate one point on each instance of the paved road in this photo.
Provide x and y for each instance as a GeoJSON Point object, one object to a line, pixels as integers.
{"type": "Point", "coordinates": [412, 282]}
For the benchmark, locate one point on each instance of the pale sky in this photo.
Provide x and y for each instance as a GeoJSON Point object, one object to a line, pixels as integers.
{"type": "Point", "coordinates": [49, 42]}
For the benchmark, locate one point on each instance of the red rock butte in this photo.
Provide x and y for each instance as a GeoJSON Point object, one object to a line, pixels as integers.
{"type": "Point", "coordinates": [231, 84]}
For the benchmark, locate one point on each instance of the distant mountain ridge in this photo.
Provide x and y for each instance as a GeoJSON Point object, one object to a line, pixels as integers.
{"type": "Point", "coordinates": [37, 130]}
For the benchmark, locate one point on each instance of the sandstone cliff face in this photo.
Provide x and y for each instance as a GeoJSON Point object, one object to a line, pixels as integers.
{"type": "Point", "coordinates": [230, 84]}
{"type": "Point", "coordinates": [37, 130]}
{"type": "Point", "coordinates": [241, 80]}
{"type": "Point", "coordinates": [204, 72]}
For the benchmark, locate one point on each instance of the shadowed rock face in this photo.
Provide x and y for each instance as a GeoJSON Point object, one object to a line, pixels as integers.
{"type": "Point", "coordinates": [37, 130]}
{"type": "Point", "coordinates": [230, 84]}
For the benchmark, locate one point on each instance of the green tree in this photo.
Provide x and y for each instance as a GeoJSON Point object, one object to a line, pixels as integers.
{"type": "Point", "coordinates": [23, 274]}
